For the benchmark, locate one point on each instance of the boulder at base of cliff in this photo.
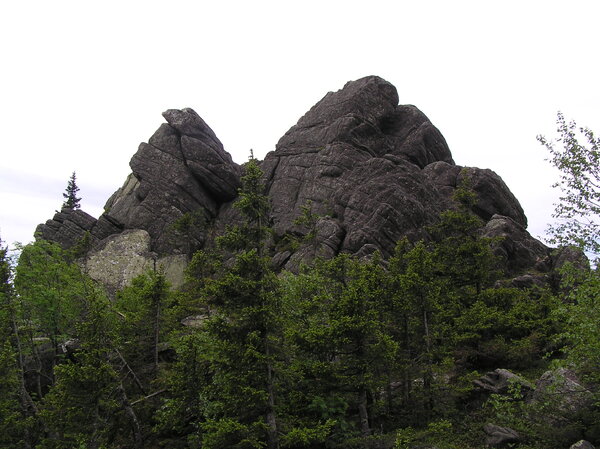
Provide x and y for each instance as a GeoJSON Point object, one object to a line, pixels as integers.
{"type": "Point", "coordinates": [126, 256]}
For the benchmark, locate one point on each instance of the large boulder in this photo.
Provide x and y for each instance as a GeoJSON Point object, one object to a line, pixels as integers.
{"type": "Point", "coordinates": [182, 169]}
{"type": "Point", "coordinates": [373, 171]}
{"type": "Point", "coordinates": [381, 171]}
{"type": "Point", "coordinates": [582, 444]}
{"type": "Point", "coordinates": [500, 436]}
{"type": "Point", "coordinates": [563, 393]}
{"type": "Point", "coordinates": [514, 245]}
{"type": "Point", "coordinates": [500, 381]}
{"type": "Point", "coordinates": [68, 227]}
{"type": "Point", "coordinates": [128, 255]}
{"type": "Point", "coordinates": [493, 195]}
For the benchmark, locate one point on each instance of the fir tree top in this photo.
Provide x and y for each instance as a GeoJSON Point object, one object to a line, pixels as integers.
{"type": "Point", "coordinates": [70, 195]}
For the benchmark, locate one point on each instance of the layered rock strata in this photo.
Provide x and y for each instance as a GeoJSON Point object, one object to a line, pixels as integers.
{"type": "Point", "coordinates": [372, 171]}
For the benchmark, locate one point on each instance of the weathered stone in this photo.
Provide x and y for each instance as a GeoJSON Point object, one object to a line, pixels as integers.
{"type": "Point", "coordinates": [563, 388]}
{"type": "Point", "coordinates": [373, 170]}
{"type": "Point", "coordinates": [68, 227]}
{"type": "Point", "coordinates": [570, 254]}
{"type": "Point", "coordinates": [204, 154]}
{"type": "Point", "coordinates": [517, 248]}
{"type": "Point", "coordinates": [500, 436]}
{"type": "Point", "coordinates": [493, 196]}
{"type": "Point", "coordinates": [124, 257]}
{"type": "Point", "coordinates": [380, 169]}
{"type": "Point", "coordinates": [525, 282]}
{"type": "Point", "coordinates": [582, 444]}
{"type": "Point", "coordinates": [326, 244]}
{"type": "Point", "coordinates": [173, 267]}
{"type": "Point", "coordinates": [128, 255]}
{"type": "Point", "coordinates": [194, 320]}
{"type": "Point", "coordinates": [500, 381]}
{"type": "Point", "coordinates": [181, 170]}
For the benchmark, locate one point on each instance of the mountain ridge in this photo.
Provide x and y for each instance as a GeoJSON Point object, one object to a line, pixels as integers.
{"type": "Point", "coordinates": [373, 171]}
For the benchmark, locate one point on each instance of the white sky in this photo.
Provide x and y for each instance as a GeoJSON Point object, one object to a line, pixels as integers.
{"type": "Point", "coordinates": [83, 83]}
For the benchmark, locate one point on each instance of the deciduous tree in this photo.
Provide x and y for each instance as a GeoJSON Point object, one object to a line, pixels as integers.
{"type": "Point", "coordinates": [576, 154]}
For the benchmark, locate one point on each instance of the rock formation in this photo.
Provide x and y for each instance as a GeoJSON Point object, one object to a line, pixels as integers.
{"type": "Point", "coordinates": [372, 170]}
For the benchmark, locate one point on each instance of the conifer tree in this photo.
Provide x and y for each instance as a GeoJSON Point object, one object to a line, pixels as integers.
{"type": "Point", "coordinates": [342, 347]}
{"type": "Point", "coordinates": [70, 195]}
{"type": "Point", "coordinates": [82, 407]}
{"type": "Point", "coordinates": [16, 406]}
{"type": "Point", "coordinates": [236, 287]}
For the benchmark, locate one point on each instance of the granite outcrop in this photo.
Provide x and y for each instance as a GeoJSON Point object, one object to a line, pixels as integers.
{"type": "Point", "coordinates": [372, 170]}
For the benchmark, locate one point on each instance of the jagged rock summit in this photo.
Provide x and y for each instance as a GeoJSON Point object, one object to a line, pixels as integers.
{"type": "Point", "coordinates": [371, 169]}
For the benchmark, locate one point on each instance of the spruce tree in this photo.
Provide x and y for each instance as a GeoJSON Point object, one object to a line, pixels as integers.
{"type": "Point", "coordinates": [238, 349]}
{"type": "Point", "coordinates": [16, 406]}
{"type": "Point", "coordinates": [70, 195]}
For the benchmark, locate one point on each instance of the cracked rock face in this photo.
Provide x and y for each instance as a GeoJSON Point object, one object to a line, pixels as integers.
{"type": "Point", "coordinates": [373, 171]}
{"type": "Point", "coordinates": [128, 255]}
{"type": "Point", "coordinates": [183, 168]}
{"type": "Point", "coordinates": [379, 170]}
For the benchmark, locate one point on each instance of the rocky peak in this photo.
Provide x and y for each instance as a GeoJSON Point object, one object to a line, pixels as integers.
{"type": "Point", "coordinates": [379, 170]}
{"type": "Point", "coordinates": [372, 171]}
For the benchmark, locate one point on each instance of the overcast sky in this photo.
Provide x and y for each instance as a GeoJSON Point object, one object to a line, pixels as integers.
{"type": "Point", "coordinates": [83, 83]}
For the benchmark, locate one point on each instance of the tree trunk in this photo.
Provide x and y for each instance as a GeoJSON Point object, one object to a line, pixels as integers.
{"type": "Point", "coordinates": [135, 423]}
{"type": "Point", "coordinates": [363, 413]}
{"type": "Point", "coordinates": [157, 300]}
{"type": "Point", "coordinates": [405, 370]}
{"type": "Point", "coordinates": [271, 416]}
{"type": "Point", "coordinates": [428, 375]}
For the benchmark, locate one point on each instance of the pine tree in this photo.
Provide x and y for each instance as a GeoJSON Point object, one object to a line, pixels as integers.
{"type": "Point", "coordinates": [70, 195]}
{"type": "Point", "coordinates": [237, 357]}
{"type": "Point", "coordinates": [16, 406]}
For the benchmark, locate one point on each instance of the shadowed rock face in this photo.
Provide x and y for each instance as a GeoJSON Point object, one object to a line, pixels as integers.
{"type": "Point", "coordinates": [372, 170]}
{"type": "Point", "coordinates": [183, 168]}
{"type": "Point", "coordinates": [379, 170]}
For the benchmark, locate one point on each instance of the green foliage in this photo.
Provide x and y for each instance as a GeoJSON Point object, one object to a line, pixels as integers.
{"type": "Point", "coordinates": [142, 307]}
{"type": "Point", "coordinates": [581, 315]}
{"type": "Point", "coordinates": [50, 289]}
{"type": "Point", "coordinates": [81, 406]}
{"type": "Point", "coordinates": [308, 219]}
{"type": "Point", "coordinates": [541, 422]}
{"type": "Point", "coordinates": [236, 405]}
{"type": "Point", "coordinates": [188, 230]}
{"type": "Point", "coordinates": [579, 182]}
{"type": "Point", "coordinates": [70, 195]}
{"type": "Point", "coordinates": [506, 327]}
{"type": "Point", "coordinates": [190, 221]}
{"type": "Point", "coordinates": [347, 353]}
{"type": "Point", "coordinates": [340, 343]}
{"type": "Point", "coordinates": [466, 258]}
{"type": "Point", "coordinates": [254, 207]}
{"type": "Point", "coordinates": [15, 423]}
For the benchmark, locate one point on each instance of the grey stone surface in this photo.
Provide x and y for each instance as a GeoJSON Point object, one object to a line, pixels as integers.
{"type": "Point", "coordinates": [500, 436]}
{"type": "Point", "coordinates": [565, 390]}
{"type": "Point", "coordinates": [380, 169]}
{"type": "Point", "coordinates": [493, 195]}
{"type": "Point", "coordinates": [500, 381]}
{"type": "Point", "coordinates": [68, 227]}
{"type": "Point", "coordinates": [373, 170]}
{"type": "Point", "coordinates": [127, 255]}
{"type": "Point", "coordinates": [516, 247]}
{"type": "Point", "coordinates": [582, 444]}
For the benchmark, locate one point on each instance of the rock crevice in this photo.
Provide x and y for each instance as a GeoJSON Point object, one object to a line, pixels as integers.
{"type": "Point", "coordinates": [373, 171]}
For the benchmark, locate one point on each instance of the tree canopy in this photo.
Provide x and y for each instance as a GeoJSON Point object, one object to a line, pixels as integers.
{"type": "Point", "coordinates": [576, 154]}
{"type": "Point", "coordinates": [70, 194]}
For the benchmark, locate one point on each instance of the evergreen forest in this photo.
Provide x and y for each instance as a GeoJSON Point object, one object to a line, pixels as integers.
{"type": "Point", "coordinates": [345, 353]}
